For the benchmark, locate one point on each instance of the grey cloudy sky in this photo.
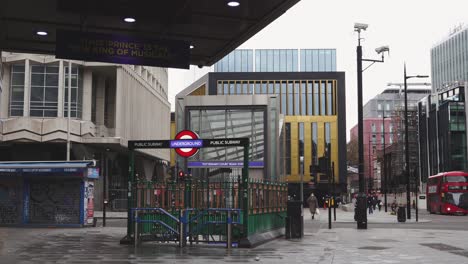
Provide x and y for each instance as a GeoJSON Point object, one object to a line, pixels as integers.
{"type": "Point", "coordinates": [409, 27]}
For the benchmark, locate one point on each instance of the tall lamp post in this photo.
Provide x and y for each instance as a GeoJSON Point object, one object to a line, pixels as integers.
{"type": "Point", "coordinates": [407, 167]}
{"type": "Point", "coordinates": [361, 215]}
{"type": "Point", "coordinates": [384, 161]}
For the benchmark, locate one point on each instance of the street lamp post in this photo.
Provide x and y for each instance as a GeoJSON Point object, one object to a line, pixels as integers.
{"type": "Point", "coordinates": [407, 167]}
{"type": "Point", "coordinates": [361, 215]}
{"type": "Point", "coordinates": [371, 178]}
{"type": "Point", "coordinates": [384, 160]}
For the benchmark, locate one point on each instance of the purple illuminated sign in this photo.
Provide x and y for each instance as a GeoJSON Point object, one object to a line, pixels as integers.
{"type": "Point", "coordinates": [122, 49]}
{"type": "Point", "coordinates": [223, 164]}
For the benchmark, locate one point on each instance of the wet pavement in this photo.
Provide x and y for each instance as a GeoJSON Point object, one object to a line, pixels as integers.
{"type": "Point", "coordinates": [319, 245]}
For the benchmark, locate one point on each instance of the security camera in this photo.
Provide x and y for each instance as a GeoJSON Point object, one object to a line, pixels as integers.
{"type": "Point", "coordinates": [382, 49]}
{"type": "Point", "coordinates": [360, 26]}
{"type": "Point", "coordinates": [200, 66]}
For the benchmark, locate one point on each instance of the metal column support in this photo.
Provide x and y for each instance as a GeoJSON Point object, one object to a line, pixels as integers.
{"type": "Point", "coordinates": [181, 230]}
{"type": "Point", "coordinates": [229, 230]}
{"type": "Point", "coordinates": [131, 177]}
{"type": "Point", "coordinates": [135, 236]}
{"type": "Point", "coordinates": [245, 188]}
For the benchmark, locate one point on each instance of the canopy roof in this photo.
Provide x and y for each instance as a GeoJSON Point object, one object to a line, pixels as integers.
{"type": "Point", "coordinates": [211, 26]}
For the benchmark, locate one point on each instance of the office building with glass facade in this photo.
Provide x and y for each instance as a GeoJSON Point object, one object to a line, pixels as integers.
{"type": "Point", "coordinates": [449, 60]}
{"type": "Point", "coordinates": [442, 132]}
{"type": "Point", "coordinates": [278, 60]}
{"type": "Point", "coordinates": [313, 108]}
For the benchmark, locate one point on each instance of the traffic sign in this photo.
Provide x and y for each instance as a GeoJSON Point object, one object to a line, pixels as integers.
{"type": "Point", "coordinates": [191, 140]}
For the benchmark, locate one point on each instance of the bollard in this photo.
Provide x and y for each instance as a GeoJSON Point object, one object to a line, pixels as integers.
{"type": "Point", "coordinates": [229, 230]}
{"type": "Point", "coordinates": [181, 229]}
{"type": "Point", "coordinates": [135, 232]}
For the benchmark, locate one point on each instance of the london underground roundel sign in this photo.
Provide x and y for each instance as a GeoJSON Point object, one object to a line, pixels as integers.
{"type": "Point", "coordinates": [186, 152]}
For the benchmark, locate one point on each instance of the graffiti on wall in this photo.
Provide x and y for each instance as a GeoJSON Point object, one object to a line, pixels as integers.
{"type": "Point", "coordinates": [10, 200]}
{"type": "Point", "coordinates": [54, 202]}
{"type": "Point", "coordinates": [89, 202]}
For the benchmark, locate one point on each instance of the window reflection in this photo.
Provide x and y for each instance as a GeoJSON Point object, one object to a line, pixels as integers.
{"type": "Point", "coordinates": [283, 98]}
{"type": "Point", "coordinates": [314, 143]}
{"type": "Point", "coordinates": [290, 99]}
{"type": "Point", "coordinates": [329, 99]}
{"type": "Point", "coordinates": [229, 124]}
{"type": "Point", "coordinates": [297, 94]}
{"type": "Point", "coordinates": [316, 99]}
{"type": "Point", "coordinates": [322, 99]}
{"type": "Point", "coordinates": [303, 99]}
{"type": "Point", "coordinates": [309, 98]}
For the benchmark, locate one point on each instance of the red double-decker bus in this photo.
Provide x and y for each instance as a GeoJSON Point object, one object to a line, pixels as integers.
{"type": "Point", "coordinates": [447, 193]}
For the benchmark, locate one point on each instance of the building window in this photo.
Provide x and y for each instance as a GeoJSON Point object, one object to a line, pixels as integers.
{"type": "Point", "coordinates": [374, 138]}
{"type": "Point", "coordinates": [76, 93]}
{"type": "Point", "coordinates": [303, 99]}
{"type": "Point", "coordinates": [379, 106]}
{"type": "Point", "coordinates": [314, 144]}
{"type": "Point", "coordinates": [290, 99]}
{"type": "Point", "coordinates": [220, 87]}
{"type": "Point", "coordinates": [309, 99]}
{"type": "Point", "coordinates": [387, 107]}
{"type": "Point", "coordinates": [323, 98]}
{"type": "Point", "coordinates": [288, 148]}
{"type": "Point", "coordinates": [44, 90]}
{"type": "Point", "coordinates": [301, 146]}
{"type": "Point", "coordinates": [283, 98]}
{"type": "Point", "coordinates": [297, 103]}
{"type": "Point", "coordinates": [257, 87]}
{"type": "Point", "coordinates": [316, 99]}
{"type": "Point", "coordinates": [17, 90]}
{"type": "Point", "coordinates": [373, 127]}
{"type": "Point", "coordinates": [245, 88]}
{"type": "Point", "coordinates": [329, 99]}
{"type": "Point", "coordinates": [327, 138]}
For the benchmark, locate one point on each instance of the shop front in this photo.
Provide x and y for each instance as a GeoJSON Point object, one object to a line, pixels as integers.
{"type": "Point", "coordinates": [47, 193]}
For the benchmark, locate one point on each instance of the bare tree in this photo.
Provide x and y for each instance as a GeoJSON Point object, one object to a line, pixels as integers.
{"type": "Point", "coordinates": [352, 154]}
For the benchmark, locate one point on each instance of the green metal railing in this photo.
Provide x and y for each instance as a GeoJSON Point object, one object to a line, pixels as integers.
{"type": "Point", "coordinates": [203, 205]}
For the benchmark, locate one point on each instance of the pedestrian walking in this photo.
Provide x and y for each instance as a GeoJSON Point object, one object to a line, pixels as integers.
{"type": "Point", "coordinates": [379, 204]}
{"type": "Point", "coordinates": [313, 204]}
{"type": "Point", "coordinates": [370, 204]}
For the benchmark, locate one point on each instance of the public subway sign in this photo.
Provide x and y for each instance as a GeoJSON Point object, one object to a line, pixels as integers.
{"type": "Point", "coordinates": [122, 49]}
{"type": "Point", "coordinates": [187, 143]}
{"type": "Point", "coordinates": [223, 164]}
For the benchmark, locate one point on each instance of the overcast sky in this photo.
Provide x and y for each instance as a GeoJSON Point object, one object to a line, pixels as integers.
{"type": "Point", "coordinates": [409, 27]}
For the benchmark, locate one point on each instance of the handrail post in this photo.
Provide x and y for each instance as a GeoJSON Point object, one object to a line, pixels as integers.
{"type": "Point", "coordinates": [181, 229]}
{"type": "Point", "coordinates": [135, 233]}
{"type": "Point", "coordinates": [229, 229]}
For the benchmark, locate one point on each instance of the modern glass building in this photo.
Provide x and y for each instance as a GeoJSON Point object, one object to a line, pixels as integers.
{"type": "Point", "coordinates": [449, 60]}
{"type": "Point", "coordinates": [278, 60]}
{"type": "Point", "coordinates": [442, 132]}
{"type": "Point", "coordinates": [256, 118]}
{"type": "Point", "coordinates": [312, 105]}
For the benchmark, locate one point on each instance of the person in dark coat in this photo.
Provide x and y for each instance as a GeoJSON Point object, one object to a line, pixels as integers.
{"type": "Point", "coordinates": [313, 204]}
{"type": "Point", "coordinates": [370, 204]}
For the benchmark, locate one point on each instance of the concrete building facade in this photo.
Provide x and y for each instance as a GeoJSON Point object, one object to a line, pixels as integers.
{"type": "Point", "coordinates": [110, 104]}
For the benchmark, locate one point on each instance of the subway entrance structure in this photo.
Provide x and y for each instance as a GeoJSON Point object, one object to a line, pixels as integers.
{"type": "Point", "coordinates": [186, 209]}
